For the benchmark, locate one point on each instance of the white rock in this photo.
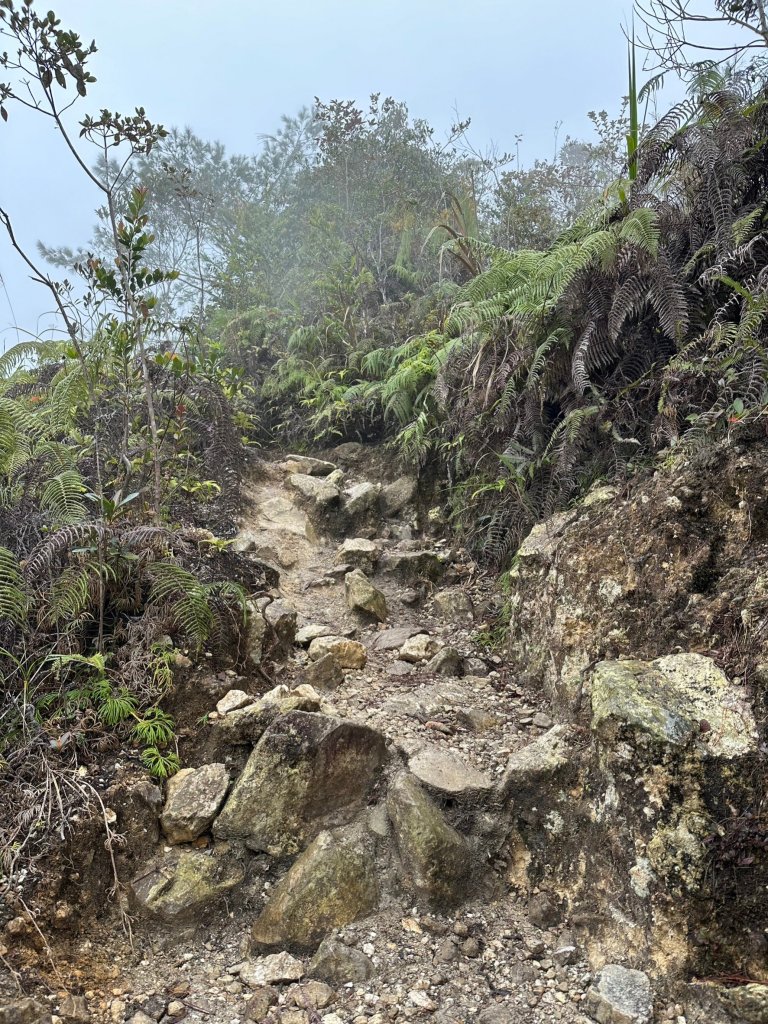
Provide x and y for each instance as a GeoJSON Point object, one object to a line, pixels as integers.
{"type": "Point", "coordinates": [271, 970]}
{"type": "Point", "coordinates": [233, 701]}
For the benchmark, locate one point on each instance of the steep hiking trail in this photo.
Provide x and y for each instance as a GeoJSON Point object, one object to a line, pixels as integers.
{"type": "Point", "coordinates": [391, 730]}
{"type": "Point", "coordinates": [376, 820]}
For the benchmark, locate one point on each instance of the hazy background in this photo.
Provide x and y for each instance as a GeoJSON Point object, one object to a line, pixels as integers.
{"type": "Point", "coordinates": [229, 71]}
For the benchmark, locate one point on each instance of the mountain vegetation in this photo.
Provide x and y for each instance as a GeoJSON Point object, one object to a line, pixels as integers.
{"type": "Point", "coordinates": [522, 331]}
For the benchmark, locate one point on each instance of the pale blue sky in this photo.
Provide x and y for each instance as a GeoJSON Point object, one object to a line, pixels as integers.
{"type": "Point", "coordinates": [230, 70]}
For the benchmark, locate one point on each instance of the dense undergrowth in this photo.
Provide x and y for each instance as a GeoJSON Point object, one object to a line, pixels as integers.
{"type": "Point", "coordinates": [523, 332]}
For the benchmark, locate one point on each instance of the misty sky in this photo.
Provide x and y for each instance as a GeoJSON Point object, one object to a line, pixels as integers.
{"type": "Point", "coordinates": [230, 70]}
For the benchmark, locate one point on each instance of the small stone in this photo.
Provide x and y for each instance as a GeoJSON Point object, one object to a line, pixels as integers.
{"type": "Point", "coordinates": [446, 952]}
{"type": "Point", "coordinates": [117, 1011]}
{"type": "Point", "coordinates": [339, 964]}
{"type": "Point", "coordinates": [470, 947]}
{"type": "Point", "coordinates": [349, 654]}
{"type": "Point", "coordinates": [308, 465]}
{"type": "Point", "coordinates": [258, 1005]}
{"type": "Point", "coordinates": [542, 721]}
{"type": "Point", "coordinates": [447, 773]}
{"type": "Point", "coordinates": [233, 700]}
{"type": "Point", "coordinates": [543, 912]}
{"type": "Point", "coordinates": [324, 674]}
{"type": "Point", "coordinates": [315, 994]}
{"type": "Point", "coordinates": [453, 605]}
{"type": "Point", "coordinates": [393, 639]}
{"type": "Point", "coordinates": [447, 662]}
{"type": "Point", "coordinates": [534, 946]}
{"type": "Point", "coordinates": [498, 1015]}
{"type": "Point", "coordinates": [75, 1008]}
{"type": "Point", "coordinates": [271, 970]}
{"type": "Point", "coordinates": [294, 1015]}
{"type": "Point", "coordinates": [475, 667]}
{"type": "Point", "coordinates": [311, 632]}
{"type": "Point", "coordinates": [362, 596]}
{"type": "Point", "coordinates": [620, 996]}
{"type": "Point", "coordinates": [422, 1000]}
{"type": "Point", "coordinates": [476, 720]}
{"type": "Point", "coordinates": [140, 1018]}
{"type": "Point", "coordinates": [421, 647]}
{"type": "Point", "coordinates": [176, 1008]}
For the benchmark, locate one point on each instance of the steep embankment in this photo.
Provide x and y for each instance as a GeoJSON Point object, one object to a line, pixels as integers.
{"type": "Point", "coordinates": [421, 827]}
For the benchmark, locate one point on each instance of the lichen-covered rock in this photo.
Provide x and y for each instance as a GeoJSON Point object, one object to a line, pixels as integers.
{"type": "Point", "coordinates": [436, 859]}
{"type": "Point", "coordinates": [453, 605]}
{"type": "Point", "coordinates": [676, 700]}
{"type": "Point", "coordinates": [620, 996]}
{"type": "Point", "coordinates": [348, 653]}
{"type": "Point", "coordinates": [193, 801]}
{"type": "Point", "coordinates": [339, 964]}
{"type": "Point", "coordinates": [307, 770]}
{"type": "Point", "coordinates": [363, 596]}
{"type": "Point", "coordinates": [179, 886]}
{"type": "Point", "coordinates": [418, 648]}
{"type": "Point", "coordinates": [398, 494]}
{"type": "Point", "coordinates": [361, 499]}
{"type": "Point", "coordinates": [447, 774]}
{"type": "Point", "coordinates": [413, 565]}
{"type": "Point", "coordinates": [306, 464]}
{"type": "Point", "coordinates": [320, 491]}
{"type": "Point", "coordinates": [330, 885]}
{"type": "Point", "coordinates": [324, 674]}
{"type": "Point", "coordinates": [359, 552]}
{"type": "Point", "coordinates": [255, 635]}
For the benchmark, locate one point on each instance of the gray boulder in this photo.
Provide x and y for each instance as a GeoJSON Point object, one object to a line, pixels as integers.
{"type": "Point", "coordinates": [362, 596]}
{"type": "Point", "coordinates": [307, 770]}
{"type": "Point", "coordinates": [421, 647]}
{"type": "Point", "coordinates": [330, 885]}
{"type": "Point", "coordinates": [397, 495]}
{"type": "Point", "coordinates": [360, 499]}
{"type": "Point", "coordinates": [339, 964]}
{"type": "Point", "coordinates": [193, 801]}
{"type": "Point", "coordinates": [453, 605]}
{"type": "Point", "coordinates": [620, 996]}
{"type": "Point", "coordinates": [447, 662]}
{"type": "Point", "coordinates": [435, 857]}
{"type": "Point", "coordinates": [180, 886]}
{"type": "Point", "coordinates": [358, 552]}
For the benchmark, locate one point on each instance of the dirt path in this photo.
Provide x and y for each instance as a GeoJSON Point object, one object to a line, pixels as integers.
{"type": "Point", "coordinates": [486, 962]}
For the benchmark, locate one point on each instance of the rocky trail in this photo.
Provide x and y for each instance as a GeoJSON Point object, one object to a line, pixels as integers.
{"type": "Point", "coordinates": [375, 827]}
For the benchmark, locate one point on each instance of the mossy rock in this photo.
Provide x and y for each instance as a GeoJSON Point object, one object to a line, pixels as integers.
{"type": "Point", "coordinates": [307, 772]}
{"type": "Point", "coordinates": [330, 885]}
{"type": "Point", "coordinates": [436, 859]}
{"type": "Point", "coordinates": [179, 887]}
